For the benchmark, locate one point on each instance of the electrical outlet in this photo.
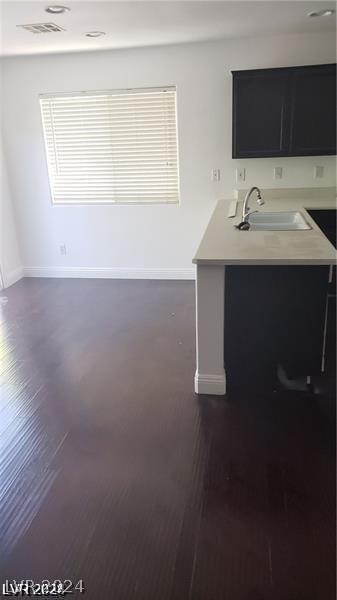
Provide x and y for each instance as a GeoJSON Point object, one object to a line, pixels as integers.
{"type": "Point", "coordinates": [278, 173]}
{"type": "Point", "coordinates": [318, 172]}
{"type": "Point", "coordinates": [63, 249]}
{"type": "Point", "coordinates": [240, 174]}
{"type": "Point", "coordinates": [215, 175]}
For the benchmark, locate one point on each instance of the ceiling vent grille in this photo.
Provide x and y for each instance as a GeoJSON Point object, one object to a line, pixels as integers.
{"type": "Point", "coordinates": [42, 27]}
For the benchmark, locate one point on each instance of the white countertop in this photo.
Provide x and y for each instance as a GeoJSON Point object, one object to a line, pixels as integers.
{"type": "Point", "coordinates": [222, 244]}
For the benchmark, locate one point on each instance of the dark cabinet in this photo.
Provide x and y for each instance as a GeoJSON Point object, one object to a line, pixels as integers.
{"type": "Point", "coordinates": [274, 315]}
{"type": "Point", "coordinates": [329, 348]}
{"type": "Point", "coordinates": [326, 219]}
{"type": "Point", "coordinates": [256, 96]}
{"type": "Point", "coordinates": [313, 111]}
{"type": "Point", "coordinates": [284, 112]}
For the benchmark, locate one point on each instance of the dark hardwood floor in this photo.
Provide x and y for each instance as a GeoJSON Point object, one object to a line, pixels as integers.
{"type": "Point", "coordinates": [114, 472]}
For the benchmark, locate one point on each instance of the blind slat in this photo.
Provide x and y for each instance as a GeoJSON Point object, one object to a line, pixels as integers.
{"type": "Point", "coordinates": [112, 146]}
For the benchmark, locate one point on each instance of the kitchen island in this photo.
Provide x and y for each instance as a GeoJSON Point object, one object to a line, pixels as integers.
{"type": "Point", "coordinates": [222, 246]}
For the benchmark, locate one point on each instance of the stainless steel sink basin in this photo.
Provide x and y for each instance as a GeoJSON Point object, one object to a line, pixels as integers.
{"type": "Point", "coordinates": [277, 221]}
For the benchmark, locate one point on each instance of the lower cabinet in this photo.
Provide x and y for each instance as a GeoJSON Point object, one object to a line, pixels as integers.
{"type": "Point", "coordinates": [273, 315]}
{"type": "Point", "coordinates": [327, 222]}
{"type": "Point", "coordinates": [330, 338]}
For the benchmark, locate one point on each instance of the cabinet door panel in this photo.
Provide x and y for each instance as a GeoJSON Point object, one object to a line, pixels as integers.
{"type": "Point", "coordinates": [260, 126]}
{"type": "Point", "coordinates": [330, 342]}
{"type": "Point", "coordinates": [313, 112]}
{"type": "Point", "coordinates": [273, 315]}
{"type": "Point", "coordinates": [302, 318]}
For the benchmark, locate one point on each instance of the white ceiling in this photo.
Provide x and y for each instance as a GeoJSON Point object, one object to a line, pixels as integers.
{"type": "Point", "coordinates": [134, 24]}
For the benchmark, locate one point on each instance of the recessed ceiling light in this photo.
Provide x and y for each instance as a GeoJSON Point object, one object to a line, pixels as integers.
{"type": "Point", "coordinates": [322, 13]}
{"type": "Point", "coordinates": [56, 9]}
{"type": "Point", "coordinates": [95, 34]}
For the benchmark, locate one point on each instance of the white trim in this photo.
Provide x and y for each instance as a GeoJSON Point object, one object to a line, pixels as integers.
{"type": "Point", "coordinates": [210, 384]}
{"type": "Point", "coordinates": [110, 273]}
{"type": "Point", "coordinates": [12, 277]}
{"type": "Point", "coordinates": [210, 375]}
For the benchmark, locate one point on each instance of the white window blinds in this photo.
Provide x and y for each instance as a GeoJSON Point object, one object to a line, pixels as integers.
{"type": "Point", "coordinates": [116, 146]}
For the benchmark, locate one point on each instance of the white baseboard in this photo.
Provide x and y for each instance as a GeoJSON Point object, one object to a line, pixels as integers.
{"type": "Point", "coordinates": [12, 277]}
{"type": "Point", "coordinates": [210, 384]}
{"type": "Point", "coordinates": [110, 273]}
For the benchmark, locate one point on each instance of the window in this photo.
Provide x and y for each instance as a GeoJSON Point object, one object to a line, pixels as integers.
{"type": "Point", "coordinates": [116, 146]}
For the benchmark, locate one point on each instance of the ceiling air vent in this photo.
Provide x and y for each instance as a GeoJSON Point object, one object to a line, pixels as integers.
{"type": "Point", "coordinates": [42, 27]}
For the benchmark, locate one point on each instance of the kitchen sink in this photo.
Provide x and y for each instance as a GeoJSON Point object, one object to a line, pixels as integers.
{"type": "Point", "coordinates": [277, 221]}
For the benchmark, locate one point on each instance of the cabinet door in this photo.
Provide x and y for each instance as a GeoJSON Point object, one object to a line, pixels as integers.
{"type": "Point", "coordinates": [260, 115]}
{"type": "Point", "coordinates": [313, 111]}
{"type": "Point", "coordinates": [327, 222]}
{"type": "Point", "coordinates": [273, 315]}
{"type": "Point", "coordinates": [303, 294]}
{"type": "Point", "coordinates": [330, 339]}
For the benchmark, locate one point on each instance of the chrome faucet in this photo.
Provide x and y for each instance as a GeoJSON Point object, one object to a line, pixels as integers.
{"type": "Point", "coordinates": [245, 208]}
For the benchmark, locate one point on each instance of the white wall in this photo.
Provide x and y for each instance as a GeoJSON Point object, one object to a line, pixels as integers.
{"type": "Point", "coordinates": [10, 260]}
{"type": "Point", "coordinates": [145, 240]}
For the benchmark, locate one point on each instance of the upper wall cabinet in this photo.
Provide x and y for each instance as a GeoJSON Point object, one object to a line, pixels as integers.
{"type": "Point", "coordinates": [313, 111]}
{"type": "Point", "coordinates": [284, 112]}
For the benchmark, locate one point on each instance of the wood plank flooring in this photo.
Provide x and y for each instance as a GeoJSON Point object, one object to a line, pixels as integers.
{"type": "Point", "coordinates": [114, 472]}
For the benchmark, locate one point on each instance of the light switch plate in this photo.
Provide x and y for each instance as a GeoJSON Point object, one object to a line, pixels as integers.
{"type": "Point", "coordinates": [240, 174]}
{"type": "Point", "coordinates": [318, 172]}
{"type": "Point", "coordinates": [215, 175]}
{"type": "Point", "coordinates": [278, 173]}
